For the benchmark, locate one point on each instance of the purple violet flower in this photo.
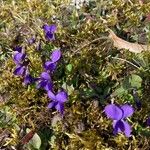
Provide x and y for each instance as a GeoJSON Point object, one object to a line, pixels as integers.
{"type": "Point", "coordinates": [51, 65]}
{"type": "Point", "coordinates": [118, 114]}
{"type": "Point", "coordinates": [18, 49]}
{"type": "Point", "coordinates": [49, 32]}
{"type": "Point", "coordinates": [19, 57]}
{"type": "Point", "coordinates": [20, 70]}
{"type": "Point", "coordinates": [58, 100]}
{"type": "Point", "coordinates": [28, 79]}
{"type": "Point", "coordinates": [55, 56]}
{"type": "Point", "coordinates": [148, 122]}
{"type": "Point", "coordinates": [45, 81]}
{"type": "Point", "coordinates": [31, 40]}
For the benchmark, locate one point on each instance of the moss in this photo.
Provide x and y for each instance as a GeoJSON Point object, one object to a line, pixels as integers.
{"type": "Point", "coordinates": [95, 75]}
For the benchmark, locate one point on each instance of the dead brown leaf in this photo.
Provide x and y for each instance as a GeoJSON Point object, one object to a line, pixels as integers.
{"type": "Point", "coordinates": [122, 44]}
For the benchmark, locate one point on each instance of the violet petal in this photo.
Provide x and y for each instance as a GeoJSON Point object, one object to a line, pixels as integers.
{"type": "Point", "coordinates": [62, 96]}
{"type": "Point", "coordinates": [50, 36]}
{"type": "Point", "coordinates": [45, 76]}
{"type": "Point", "coordinates": [28, 79]}
{"type": "Point", "coordinates": [114, 112]}
{"type": "Point", "coordinates": [41, 84]}
{"type": "Point", "coordinates": [20, 70]}
{"type": "Point", "coordinates": [53, 28]}
{"type": "Point", "coordinates": [19, 57]}
{"type": "Point", "coordinates": [127, 110]}
{"type": "Point", "coordinates": [49, 65]}
{"type": "Point", "coordinates": [52, 104]}
{"type": "Point", "coordinates": [49, 86]}
{"type": "Point", "coordinates": [18, 49]}
{"type": "Point", "coordinates": [55, 56]}
{"type": "Point", "coordinates": [122, 126]}
{"type": "Point", "coordinates": [60, 107]}
{"type": "Point", "coordinates": [51, 95]}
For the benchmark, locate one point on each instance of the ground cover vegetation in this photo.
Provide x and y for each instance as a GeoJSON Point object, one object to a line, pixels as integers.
{"type": "Point", "coordinates": [67, 81]}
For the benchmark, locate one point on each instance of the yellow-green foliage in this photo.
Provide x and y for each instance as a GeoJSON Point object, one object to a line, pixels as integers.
{"type": "Point", "coordinates": [83, 38]}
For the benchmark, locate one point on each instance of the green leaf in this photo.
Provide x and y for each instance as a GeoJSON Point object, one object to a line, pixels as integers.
{"type": "Point", "coordinates": [68, 88]}
{"type": "Point", "coordinates": [126, 83]}
{"type": "Point", "coordinates": [145, 132]}
{"type": "Point", "coordinates": [135, 81]}
{"type": "Point", "coordinates": [35, 142]}
{"type": "Point", "coordinates": [120, 91]}
{"type": "Point", "coordinates": [88, 93]}
{"type": "Point", "coordinates": [69, 67]}
{"type": "Point", "coordinates": [48, 47]}
{"type": "Point", "coordinates": [7, 117]}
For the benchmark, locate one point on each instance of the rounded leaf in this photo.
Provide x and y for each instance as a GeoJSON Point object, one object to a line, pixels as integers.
{"type": "Point", "coordinates": [36, 141]}
{"type": "Point", "coordinates": [135, 81]}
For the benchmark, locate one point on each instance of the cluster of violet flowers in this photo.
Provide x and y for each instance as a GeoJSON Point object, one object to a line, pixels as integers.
{"type": "Point", "coordinates": [21, 61]}
{"type": "Point", "coordinates": [115, 112]}
{"type": "Point", "coordinates": [45, 80]}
